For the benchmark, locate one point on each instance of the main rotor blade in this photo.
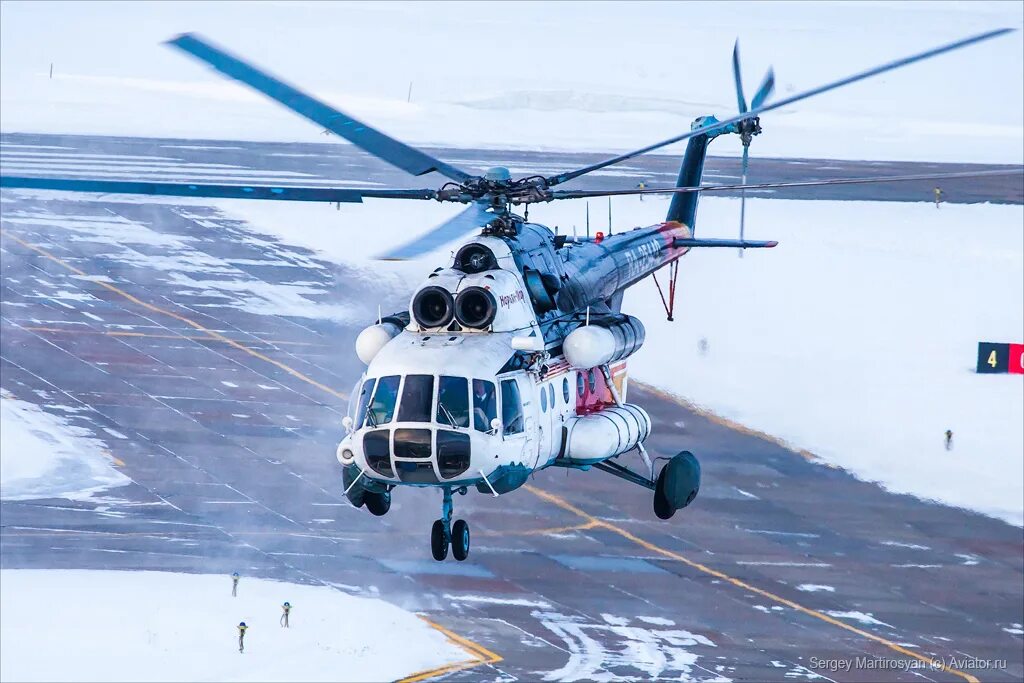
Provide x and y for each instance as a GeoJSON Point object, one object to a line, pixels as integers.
{"type": "Point", "coordinates": [569, 175]}
{"type": "Point", "coordinates": [741, 101]}
{"type": "Point", "coordinates": [358, 133]}
{"type": "Point", "coordinates": [764, 91]}
{"type": "Point", "coordinates": [581, 194]}
{"type": "Point", "coordinates": [471, 218]}
{"type": "Point", "coordinates": [286, 193]}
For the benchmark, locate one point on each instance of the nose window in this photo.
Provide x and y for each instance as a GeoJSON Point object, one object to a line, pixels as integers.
{"type": "Point", "coordinates": [412, 443]}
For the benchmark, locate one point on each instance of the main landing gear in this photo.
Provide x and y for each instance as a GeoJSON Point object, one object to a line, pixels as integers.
{"type": "Point", "coordinates": [675, 488]}
{"type": "Point", "coordinates": [443, 533]}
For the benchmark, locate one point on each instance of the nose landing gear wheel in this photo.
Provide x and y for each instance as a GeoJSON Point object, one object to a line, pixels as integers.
{"type": "Point", "coordinates": [460, 540]}
{"type": "Point", "coordinates": [438, 540]}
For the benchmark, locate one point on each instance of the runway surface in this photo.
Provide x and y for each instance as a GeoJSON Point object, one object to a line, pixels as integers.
{"type": "Point", "coordinates": [176, 327]}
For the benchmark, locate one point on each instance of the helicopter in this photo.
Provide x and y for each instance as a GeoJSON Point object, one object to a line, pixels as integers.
{"type": "Point", "coordinates": [512, 357]}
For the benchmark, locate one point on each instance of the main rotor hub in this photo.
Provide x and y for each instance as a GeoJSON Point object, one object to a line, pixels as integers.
{"type": "Point", "coordinates": [498, 174]}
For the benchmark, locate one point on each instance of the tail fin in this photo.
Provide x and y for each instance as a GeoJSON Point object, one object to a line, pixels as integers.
{"type": "Point", "coordinates": [683, 208]}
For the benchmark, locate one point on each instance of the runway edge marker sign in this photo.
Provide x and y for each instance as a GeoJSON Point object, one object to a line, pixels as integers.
{"type": "Point", "coordinates": [996, 357]}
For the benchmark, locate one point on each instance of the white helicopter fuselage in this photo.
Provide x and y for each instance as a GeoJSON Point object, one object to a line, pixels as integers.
{"type": "Point", "coordinates": [482, 407]}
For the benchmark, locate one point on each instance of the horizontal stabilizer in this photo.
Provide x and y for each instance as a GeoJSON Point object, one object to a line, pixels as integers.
{"type": "Point", "coordinates": [734, 244]}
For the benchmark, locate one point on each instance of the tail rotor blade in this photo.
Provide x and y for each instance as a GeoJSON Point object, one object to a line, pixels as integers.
{"type": "Point", "coordinates": [764, 91]}
{"type": "Point", "coordinates": [741, 101]}
{"type": "Point", "coordinates": [472, 217]}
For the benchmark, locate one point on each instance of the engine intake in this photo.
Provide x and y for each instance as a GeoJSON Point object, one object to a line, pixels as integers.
{"type": "Point", "coordinates": [433, 307]}
{"type": "Point", "coordinates": [475, 307]}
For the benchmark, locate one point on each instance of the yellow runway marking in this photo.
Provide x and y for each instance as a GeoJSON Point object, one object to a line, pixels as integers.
{"type": "Point", "coordinates": [599, 523]}
{"type": "Point", "coordinates": [540, 532]}
{"type": "Point", "coordinates": [731, 424]}
{"type": "Point", "coordinates": [480, 654]}
{"type": "Point", "coordinates": [177, 316]}
{"type": "Point", "coordinates": [150, 335]}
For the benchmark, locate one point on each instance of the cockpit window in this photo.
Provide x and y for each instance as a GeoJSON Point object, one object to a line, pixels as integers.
{"type": "Point", "coordinates": [511, 407]}
{"type": "Point", "coordinates": [453, 402]}
{"type": "Point", "coordinates": [382, 407]}
{"type": "Point", "coordinates": [417, 397]}
{"type": "Point", "coordinates": [363, 400]}
{"type": "Point", "coordinates": [485, 407]}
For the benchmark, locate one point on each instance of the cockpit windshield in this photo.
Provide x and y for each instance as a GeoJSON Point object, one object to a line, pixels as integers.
{"type": "Point", "coordinates": [417, 397]}
{"type": "Point", "coordinates": [485, 407]}
{"type": "Point", "coordinates": [453, 401]}
{"type": "Point", "coordinates": [456, 405]}
{"type": "Point", "coordinates": [382, 407]}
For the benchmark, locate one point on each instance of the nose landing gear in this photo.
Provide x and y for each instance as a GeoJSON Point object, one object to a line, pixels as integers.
{"type": "Point", "coordinates": [443, 532]}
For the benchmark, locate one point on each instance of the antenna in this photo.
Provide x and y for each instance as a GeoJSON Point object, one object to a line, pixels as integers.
{"type": "Point", "coordinates": [609, 216]}
{"type": "Point", "coordinates": [380, 316]}
{"type": "Point", "coordinates": [588, 315]}
{"type": "Point", "coordinates": [588, 220]}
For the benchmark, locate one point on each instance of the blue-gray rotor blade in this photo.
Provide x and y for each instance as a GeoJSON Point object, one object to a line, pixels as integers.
{"type": "Point", "coordinates": [569, 175]}
{"type": "Point", "coordinates": [764, 91]}
{"type": "Point", "coordinates": [471, 218]}
{"type": "Point", "coordinates": [358, 133]}
{"type": "Point", "coordinates": [286, 193]}
{"type": "Point", "coordinates": [584, 194]}
{"type": "Point", "coordinates": [741, 101]}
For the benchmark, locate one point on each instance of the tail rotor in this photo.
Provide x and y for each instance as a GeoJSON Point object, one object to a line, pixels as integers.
{"type": "Point", "coordinates": [749, 127]}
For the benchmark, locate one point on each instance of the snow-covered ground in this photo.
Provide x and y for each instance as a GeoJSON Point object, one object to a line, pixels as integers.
{"type": "Point", "coordinates": [42, 455]}
{"type": "Point", "coordinates": [855, 339]}
{"type": "Point", "coordinates": [60, 625]}
{"type": "Point", "coordinates": [571, 75]}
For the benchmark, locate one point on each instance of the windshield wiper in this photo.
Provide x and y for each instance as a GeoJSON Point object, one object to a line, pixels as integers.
{"type": "Point", "coordinates": [448, 414]}
{"type": "Point", "coordinates": [371, 418]}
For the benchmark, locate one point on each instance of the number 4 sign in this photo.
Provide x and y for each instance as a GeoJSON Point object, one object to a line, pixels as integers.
{"type": "Point", "coordinates": [1000, 358]}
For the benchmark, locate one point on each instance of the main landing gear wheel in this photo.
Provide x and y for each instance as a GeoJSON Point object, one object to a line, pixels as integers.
{"type": "Point", "coordinates": [438, 540]}
{"type": "Point", "coordinates": [460, 540]}
{"type": "Point", "coordinates": [677, 485]}
{"type": "Point", "coordinates": [377, 503]}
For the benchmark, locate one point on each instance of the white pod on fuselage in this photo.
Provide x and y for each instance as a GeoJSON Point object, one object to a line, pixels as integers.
{"type": "Point", "coordinates": [372, 339]}
{"type": "Point", "coordinates": [602, 434]}
{"type": "Point", "coordinates": [588, 347]}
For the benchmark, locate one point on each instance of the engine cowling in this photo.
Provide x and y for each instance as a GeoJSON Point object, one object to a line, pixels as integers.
{"type": "Point", "coordinates": [607, 432]}
{"type": "Point", "coordinates": [601, 342]}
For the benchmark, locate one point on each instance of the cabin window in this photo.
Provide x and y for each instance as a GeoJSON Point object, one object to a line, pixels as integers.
{"type": "Point", "coordinates": [363, 401]}
{"type": "Point", "coordinates": [551, 395]}
{"type": "Point", "coordinates": [417, 397]}
{"type": "Point", "coordinates": [453, 402]}
{"type": "Point", "coordinates": [382, 407]}
{"type": "Point", "coordinates": [580, 384]}
{"type": "Point", "coordinates": [511, 407]}
{"type": "Point", "coordinates": [543, 399]}
{"type": "Point", "coordinates": [452, 453]}
{"type": "Point", "coordinates": [485, 406]}
{"type": "Point", "coordinates": [565, 389]}
{"type": "Point", "coordinates": [591, 380]}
